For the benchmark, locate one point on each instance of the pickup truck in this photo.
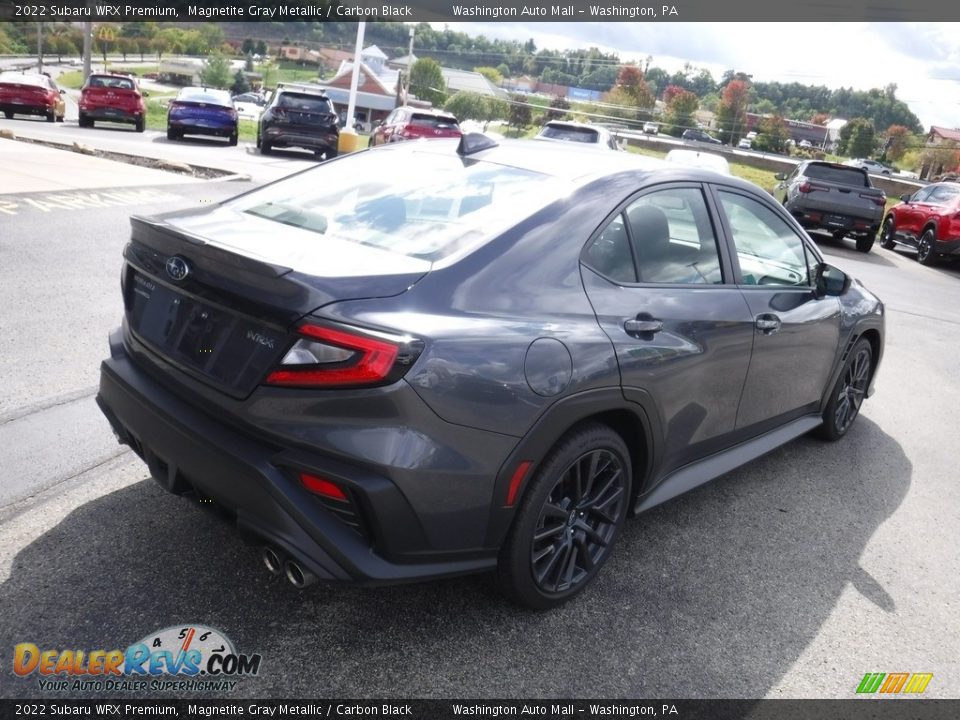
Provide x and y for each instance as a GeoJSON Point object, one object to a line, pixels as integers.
{"type": "Point", "coordinates": [837, 198]}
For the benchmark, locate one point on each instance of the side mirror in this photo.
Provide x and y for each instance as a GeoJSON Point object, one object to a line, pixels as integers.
{"type": "Point", "coordinates": [780, 176]}
{"type": "Point", "coordinates": [906, 197]}
{"type": "Point", "coordinates": [62, 91]}
{"type": "Point", "coordinates": [830, 282]}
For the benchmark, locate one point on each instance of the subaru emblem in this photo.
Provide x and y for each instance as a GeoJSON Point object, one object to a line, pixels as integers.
{"type": "Point", "coordinates": [177, 268]}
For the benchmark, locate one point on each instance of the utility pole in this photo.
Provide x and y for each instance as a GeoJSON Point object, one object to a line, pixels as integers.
{"type": "Point", "coordinates": [39, 47]}
{"type": "Point", "coordinates": [406, 89]}
{"type": "Point", "coordinates": [87, 48]}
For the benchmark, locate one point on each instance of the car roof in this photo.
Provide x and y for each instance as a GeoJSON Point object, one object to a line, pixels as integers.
{"type": "Point", "coordinates": [576, 162]}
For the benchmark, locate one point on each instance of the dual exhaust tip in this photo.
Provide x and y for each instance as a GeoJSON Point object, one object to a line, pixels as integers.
{"type": "Point", "coordinates": [279, 563]}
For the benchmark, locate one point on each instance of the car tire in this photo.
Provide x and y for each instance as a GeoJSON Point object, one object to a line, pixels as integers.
{"type": "Point", "coordinates": [173, 134]}
{"type": "Point", "coordinates": [265, 147]}
{"type": "Point", "coordinates": [848, 393]}
{"type": "Point", "coordinates": [52, 116]}
{"type": "Point", "coordinates": [61, 118]}
{"type": "Point", "coordinates": [233, 139]}
{"type": "Point", "coordinates": [886, 235]}
{"type": "Point", "coordinates": [8, 115]}
{"type": "Point", "coordinates": [566, 527]}
{"type": "Point", "coordinates": [865, 242]}
{"type": "Point", "coordinates": [140, 125]}
{"type": "Point", "coordinates": [331, 153]}
{"type": "Point", "coordinates": [83, 121]}
{"type": "Point", "coordinates": [926, 255]}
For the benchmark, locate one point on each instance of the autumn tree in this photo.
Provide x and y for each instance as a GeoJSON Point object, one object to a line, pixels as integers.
{"type": "Point", "coordinates": [732, 111]}
{"type": "Point", "coordinates": [631, 84]}
{"type": "Point", "coordinates": [896, 139]}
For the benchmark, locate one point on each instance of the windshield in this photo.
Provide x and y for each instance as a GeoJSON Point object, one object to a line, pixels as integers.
{"type": "Point", "coordinates": [421, 205]}
{"type": "Point", "coordinates": [113, 83]}
{"type": "Point", "coordinates": [213, 97]}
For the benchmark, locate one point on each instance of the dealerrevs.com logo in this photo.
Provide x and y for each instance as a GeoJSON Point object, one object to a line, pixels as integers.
{"type": "Point", "coordinates": [179, 658]}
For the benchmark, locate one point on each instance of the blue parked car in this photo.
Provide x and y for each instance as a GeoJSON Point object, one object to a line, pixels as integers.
{"type": "Point", "coordinates": [201, 111]}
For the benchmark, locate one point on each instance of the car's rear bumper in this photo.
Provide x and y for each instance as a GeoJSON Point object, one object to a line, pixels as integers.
{"type": "Point", "coordinates": [21, 109]}
{"type": "Point", "coordinates": [281, 136]}
{"type": "Point", "coordinates": [255, 482]}
{"type": "Point", "coordinates": [111, 114]}
{"type": "Point", "coordinates": [947, 247]}
{"type": "Point", "coordinates": [835, 221]}
{"type": "Point", "coordinates": [195, 128]}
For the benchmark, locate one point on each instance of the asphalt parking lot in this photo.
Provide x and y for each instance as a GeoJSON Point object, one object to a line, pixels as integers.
{"type": "Point", "coordinates": [791, 577]}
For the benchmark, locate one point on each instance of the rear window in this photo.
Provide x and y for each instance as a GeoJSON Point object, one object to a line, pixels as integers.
{"type": "Point", "coordinates": [438, 122]}
{"type": "Point", "coordinates": [373, 199]}
{"type": "Point", "coordinates": [113, 83]}
{"type": "Point", "coordinates": [40, 81]}
{"type": "Point", "coordinates": [305, 103]}
{"type": "Point", "coordinates": [838, 175]}
{"type": "Point", "coordinates": [213, 97]}
{"type": "Point", "coordinates": [573, 134]}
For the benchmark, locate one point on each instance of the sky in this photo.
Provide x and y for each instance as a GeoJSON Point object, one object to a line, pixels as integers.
{"type": "Point", "coordinates": [922, 59]}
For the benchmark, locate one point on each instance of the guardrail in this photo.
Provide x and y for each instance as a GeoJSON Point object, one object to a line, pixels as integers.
{"type": "Point", "coordinates": [892, 186]}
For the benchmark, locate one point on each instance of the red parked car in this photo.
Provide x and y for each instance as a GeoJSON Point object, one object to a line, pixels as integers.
{"type": "Point", "coordinates": [30, 94]}
{"type": "Point", "coordinates": [114, 98]}
{"type": "Point", "coordinates": [408, 123]}
{"type": "Point", "coordinates": [928, 220]}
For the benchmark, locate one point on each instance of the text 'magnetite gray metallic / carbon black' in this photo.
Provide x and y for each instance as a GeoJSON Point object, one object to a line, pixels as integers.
{"type": "Point", "coordinates": [435, 358]}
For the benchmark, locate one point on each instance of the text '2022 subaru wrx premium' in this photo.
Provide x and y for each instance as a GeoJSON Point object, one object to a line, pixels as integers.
{"type": "Point", "coordinates": [434, 358]}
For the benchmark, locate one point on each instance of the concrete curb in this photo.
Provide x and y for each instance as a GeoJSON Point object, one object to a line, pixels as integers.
{"type": "Point", "coordinates": [173, 166]}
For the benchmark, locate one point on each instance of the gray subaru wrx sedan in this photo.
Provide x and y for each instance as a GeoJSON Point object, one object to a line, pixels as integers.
{"type": "Point", "coordinates": [435, 358]}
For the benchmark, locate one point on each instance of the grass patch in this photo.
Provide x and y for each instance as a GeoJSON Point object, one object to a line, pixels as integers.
{"type": "Point", "coordinates": [72, 79]}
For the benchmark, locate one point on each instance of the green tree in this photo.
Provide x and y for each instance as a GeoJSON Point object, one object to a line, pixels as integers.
{"type": "Point", "coordinates": [426, 81]}
{"type": "Point", "coordinates": [680, 109]}
{"type": "Point", "coordinates": [491, 74]}
{"type": "Point", "coordinates": [240, 83]}
{"type": "Point", "coordinates": [261, 49]}
{"type": "Point", "coordinates": [465, 105]}
{"type": "Point", "coordinates": [857, 138]}
{"type": "Point", "coordinates": [216, 71]}
{"type": "Point", "coordinates": [520, 114]}
{"type": "Point", "coordinates": [772, 135]}
{"type": "Point", "coordinates": [268, 72]}
{"type": "Point", "coordinates": [248, 47]}
{"type": "Point", "coordinates": [503, 69]}
{"type": "Point", "coordinates": [558, 108]}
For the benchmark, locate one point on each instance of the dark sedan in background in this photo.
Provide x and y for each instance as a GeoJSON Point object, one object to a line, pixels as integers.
{"type": "Point", "coordinates": [487, 364]}
{"type": "Point", "coordinates": [202, 111]}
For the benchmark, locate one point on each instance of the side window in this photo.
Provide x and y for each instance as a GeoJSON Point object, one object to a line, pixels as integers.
{"type": "Point", "coordinates": [942, 194]}
{"type": "Point", "coordinates": [610, 254]}
{"type": "Point", "coordinates": [769, 251]}
{"type": "Point", "coordinates": [673, 239]}
{"type": "Point", "coordinates": [921, 195]}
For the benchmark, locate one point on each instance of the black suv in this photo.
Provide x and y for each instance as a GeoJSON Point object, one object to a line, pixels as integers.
{"type": "Point", "coordinates": [299, 116]}
{"type": "Point", "coordinates": [700, 136]}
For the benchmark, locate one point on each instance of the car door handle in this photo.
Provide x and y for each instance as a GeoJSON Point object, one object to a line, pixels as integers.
{"type": "Point", "coordinates": [637, 326]}
{"type": "Point", "coordinates": [767, 323]}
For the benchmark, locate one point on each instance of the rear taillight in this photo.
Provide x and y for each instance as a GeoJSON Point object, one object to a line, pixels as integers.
{"type": "Point", "coordinates": [233, 114]}
{"type": "Point", "coordinates": [807, 187]}
{"type": "Point", "coordinates": [279, 114]}
{"type": "Point", "coordinates": [321, 486]}
{"type": "Point", "coordinates": [337, 357]}
{"type": "Point", "coordinates": [175, 106]}
{"type": "Point", "coordinates": [881, 201]}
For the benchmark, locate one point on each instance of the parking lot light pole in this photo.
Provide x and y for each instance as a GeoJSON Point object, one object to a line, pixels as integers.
{"type": "Point", "coordinates": [406, 89]}
{"type": "Point", "coordinates": [348, 136]}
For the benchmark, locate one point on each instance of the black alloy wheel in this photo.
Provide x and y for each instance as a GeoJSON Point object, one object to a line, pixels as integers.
{"type": "Point", "coordinates": [569, 520]}
{"type": "Point", "coordinates": [849, 392]}
{"type": "Point", "coordinates": [886, 235]}
{"type": "Point", "coordinates": [925, 252]}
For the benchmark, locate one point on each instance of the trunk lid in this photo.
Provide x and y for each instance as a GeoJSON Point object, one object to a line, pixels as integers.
{"type": "Point", "coordinates": [115, 96]}
{"type": "Point", "coordinates": [227, 320]}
